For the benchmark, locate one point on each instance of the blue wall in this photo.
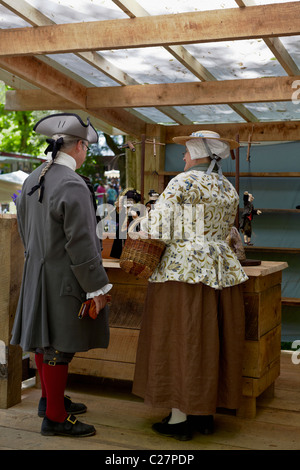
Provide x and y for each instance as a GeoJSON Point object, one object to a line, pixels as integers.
{"type": "Point", "coordinates": [269, 229]}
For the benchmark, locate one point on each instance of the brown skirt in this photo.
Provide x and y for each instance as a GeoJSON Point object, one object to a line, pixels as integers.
{"type": "Point", "coordinates": [190, 349]}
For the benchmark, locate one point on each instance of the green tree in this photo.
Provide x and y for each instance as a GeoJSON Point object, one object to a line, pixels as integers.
{"type": "Point", "coordinates": [17, 136]}
{"type": "Point", "coordinates": [16, 130]}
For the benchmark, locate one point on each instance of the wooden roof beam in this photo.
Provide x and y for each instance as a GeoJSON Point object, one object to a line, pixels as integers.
{"type": "Point", "coordinates": [36, 18]}
{"type": "Point", "coordinates": [260, 131]}
{"type": "Point", "coordinates": [261, 21]}
{"type": "Point", "coordinates": [276, 46]}
{"type": "Point", "coordinates": [45, 77]}
{"type": "Point", "coordinates": [255, 90]}
{"type": "Point", "coordinates": [133, 9]}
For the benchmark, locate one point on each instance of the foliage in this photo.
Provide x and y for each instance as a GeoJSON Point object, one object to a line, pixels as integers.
{"type": "Point", "coordinates": [17, 136]}
{"type": "Point", "coordinates": [16, 131]}
{"type": "Point", "coordinates": [94, 165]}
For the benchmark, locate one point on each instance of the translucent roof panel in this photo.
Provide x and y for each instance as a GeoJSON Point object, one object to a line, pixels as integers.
{"type": "Point", "coordinates": [85, 73]}
{"type": "Point", "coordinates": [224, 60]}
{"type": "Point", "coordinates": [281, 111]}
{"type": "Point", "coordinates": [292, 45]}
{"type": "Point", "coordinates": [149, 65]}
{"type": "Point", "coordinates": [230, 60]}
{"type": "Point", "coordinates": [9, 20]}
{"type": "Point", "coordinates": [167, 7]}
{"type": "Point", "coordinates": [73, 11]}
{"type": "Point", "coordinates": [210, 113]}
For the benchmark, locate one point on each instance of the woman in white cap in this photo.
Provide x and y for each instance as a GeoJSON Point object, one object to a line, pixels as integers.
{"type": "Point", "coordinates": [189, 357]}
{"type": "Point", "coordinates": [63, 267]}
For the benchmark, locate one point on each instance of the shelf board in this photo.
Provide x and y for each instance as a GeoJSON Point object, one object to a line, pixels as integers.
{"type": "Point", "coordinates": [285, 174]}
{"type": "Point", "coordinates": [289, 211]}
{"type": "Point", "coordinates": [290, 301]}
{"type": "Point", "coordinates": [271, 249]}
{"type": "Point", "coordinates": [288, 174]}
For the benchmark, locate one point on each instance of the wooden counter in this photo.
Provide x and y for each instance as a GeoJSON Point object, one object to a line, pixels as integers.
{"type": "Point", "coordinates": [11, 262]}
{"type": "Point", "coordinates": [262, 294]}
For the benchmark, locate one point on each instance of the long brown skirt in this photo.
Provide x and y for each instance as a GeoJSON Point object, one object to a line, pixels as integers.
{"type": "Point", "coordinates": [190, 349]}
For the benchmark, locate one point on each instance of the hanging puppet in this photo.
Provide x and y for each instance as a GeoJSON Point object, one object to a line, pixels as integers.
{"type": "Point", "coordinates": [247, 217]}
{"type": "Point", "coordinates": [153, 196]}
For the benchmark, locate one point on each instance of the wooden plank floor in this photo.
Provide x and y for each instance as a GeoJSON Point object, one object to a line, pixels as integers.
{"type": "Point", "coordinates": [123, 422]}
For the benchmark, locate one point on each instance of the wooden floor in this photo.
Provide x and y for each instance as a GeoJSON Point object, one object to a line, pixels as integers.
{"type": "Point", "coordinates": [123, 422]}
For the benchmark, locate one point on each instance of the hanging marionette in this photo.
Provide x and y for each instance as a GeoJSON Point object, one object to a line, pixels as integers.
{"type": "Point", "coordinates": [247, 217]}
{"type": "Point", "coordinates": [153, 196]}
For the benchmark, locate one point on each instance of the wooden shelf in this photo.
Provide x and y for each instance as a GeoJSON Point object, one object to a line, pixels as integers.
{"type": "Point", "coordinates": [270, 211]}
{"type": "Point", "coordinates": [271, 249]}
{"type": "Point", "coordinates": [290, 301]}
{"type": "Point", "coordinates": [284, 174]}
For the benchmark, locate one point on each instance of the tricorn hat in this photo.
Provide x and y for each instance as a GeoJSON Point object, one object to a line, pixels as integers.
{"type": "Point", "coordinates": [208, 135]}
{"type": "Point", "coordinates": [68, 124]}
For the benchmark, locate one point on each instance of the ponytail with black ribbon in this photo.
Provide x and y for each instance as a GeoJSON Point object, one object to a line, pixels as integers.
{"type": "Point", "coordinates": [54, 147]}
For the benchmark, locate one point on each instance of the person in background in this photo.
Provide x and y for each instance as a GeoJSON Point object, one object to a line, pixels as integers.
{"type": "Point", "coordinates": [100, 193]}
{"type": "Point", "coordinates": [111, 194]}
{"type": "Point", "coordinates": [190, 350]}
{"type": "Point", "coordinates": [63, 268]}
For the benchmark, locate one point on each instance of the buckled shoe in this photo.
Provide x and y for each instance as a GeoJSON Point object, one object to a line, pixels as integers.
{"type": "Point", "coordinates": [70, 427]}
{"type": "Point", "coordinates": [71, 408]}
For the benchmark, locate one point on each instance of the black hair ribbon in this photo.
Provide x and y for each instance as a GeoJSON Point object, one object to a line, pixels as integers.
{"type": "Point", "coordinates": [54, 147]}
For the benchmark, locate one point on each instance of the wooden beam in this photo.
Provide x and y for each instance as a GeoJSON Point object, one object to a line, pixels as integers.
{"type": "Point", "coordinates": [35, 100]}
{"type": "Point", "coordinates": [259, 90]}
{"type": "Point", "coordinates": [36, 18]}
{"type": "Point", "coordinates": [163, 30]}
{"type": "Point", "coordinates": [262, 131]}
{"type": "Point", "coordinates": [133, 9]}
{"type": "Point", "coordinates": [52, 81]}
{"type": "Point", "coordinates": [271, 89]}
{"type": "Point", "coordinates": [276, 46]}
{"type": "Point", "coordinates": [42, 75]}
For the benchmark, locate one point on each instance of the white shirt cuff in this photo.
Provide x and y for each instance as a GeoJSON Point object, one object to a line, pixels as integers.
{"type": "Point", "coordinates": [102, 291]}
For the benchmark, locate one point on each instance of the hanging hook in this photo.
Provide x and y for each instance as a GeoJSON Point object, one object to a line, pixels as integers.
{"type": "Point", "coordinates": [249, 144]}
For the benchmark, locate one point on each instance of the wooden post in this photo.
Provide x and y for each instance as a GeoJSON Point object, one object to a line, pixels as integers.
{"type": "Point", "coordinates": [154, 159]}
{"type": "Point", "coordinates": [237, 180]}
{"type": "Point", "coordinates": [143, 143]}
{"type": "Point", "coordinates": [11, 262]}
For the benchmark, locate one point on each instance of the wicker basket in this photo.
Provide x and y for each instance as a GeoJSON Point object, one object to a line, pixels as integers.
{"type": "Point", "coordinates": [140, 256]}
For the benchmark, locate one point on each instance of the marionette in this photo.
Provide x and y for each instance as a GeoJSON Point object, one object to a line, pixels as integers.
{"type": "Point", "coordinates": [247, 217]}
{"type": "Point", "coordinates": [124, 204]}
{"type": "Point", "coordinates": [153, 196]}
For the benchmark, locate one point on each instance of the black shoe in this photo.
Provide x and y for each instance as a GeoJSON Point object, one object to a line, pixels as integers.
{"type": "Point", "coordinates": [70, 427]}
{"type": "Point", "coordinates": [180, 431]}
{"type": "Point", "coordinates": [202, 423]}
{"type": "Point", "coordinates": [71, 408]}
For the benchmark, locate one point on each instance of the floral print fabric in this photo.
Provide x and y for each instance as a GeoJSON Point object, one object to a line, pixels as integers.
{"type": "Point", "coordinates": [198, 217]}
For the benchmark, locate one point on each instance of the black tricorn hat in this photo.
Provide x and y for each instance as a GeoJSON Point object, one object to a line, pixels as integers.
{"type": "Point", "coordinates": [68, 124]}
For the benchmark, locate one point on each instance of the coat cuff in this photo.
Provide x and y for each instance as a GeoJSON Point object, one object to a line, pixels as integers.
{"type": "Point", "coordinates": [91, 275]}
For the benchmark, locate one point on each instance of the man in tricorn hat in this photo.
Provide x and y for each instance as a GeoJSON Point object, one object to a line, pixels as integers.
{"type": "Point", "coordinates": [63, 268]}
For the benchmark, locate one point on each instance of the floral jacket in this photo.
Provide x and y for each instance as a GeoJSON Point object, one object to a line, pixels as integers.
{"type": "Point", "coordinates": [194, 217]}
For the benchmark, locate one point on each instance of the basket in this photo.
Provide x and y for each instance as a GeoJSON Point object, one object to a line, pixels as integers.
{"type": "Point", "coordinates": [140, 256]}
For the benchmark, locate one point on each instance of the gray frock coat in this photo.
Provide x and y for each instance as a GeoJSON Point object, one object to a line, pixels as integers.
{"type": "Point", "coordinates": [62, 263]}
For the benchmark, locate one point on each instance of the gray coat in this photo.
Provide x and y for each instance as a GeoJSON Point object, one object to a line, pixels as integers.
{"type": "Point", "coordinates": [62, 263]}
